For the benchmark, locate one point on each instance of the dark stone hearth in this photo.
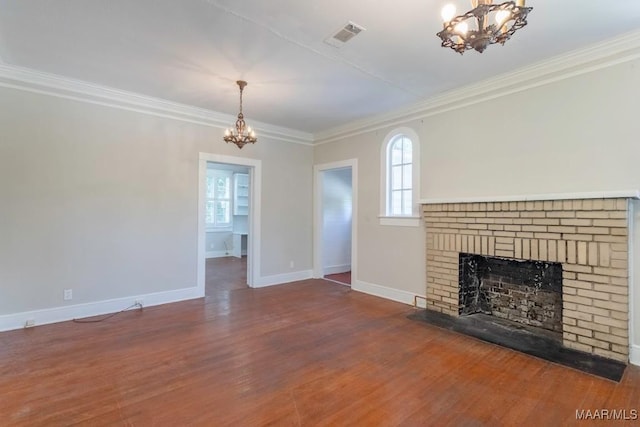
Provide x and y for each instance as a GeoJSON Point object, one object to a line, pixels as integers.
{"type": "Point", "coordinates": [523, 338]}
{"type": "Point", "coordinates": [527, 292]}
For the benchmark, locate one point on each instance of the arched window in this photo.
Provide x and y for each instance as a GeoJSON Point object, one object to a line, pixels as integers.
{"type": "Point", "coordinates": [400, 178]}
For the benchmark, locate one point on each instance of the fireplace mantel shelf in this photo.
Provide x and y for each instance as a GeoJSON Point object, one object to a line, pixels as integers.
{"type": "Point", "coordinates": [615, 194]}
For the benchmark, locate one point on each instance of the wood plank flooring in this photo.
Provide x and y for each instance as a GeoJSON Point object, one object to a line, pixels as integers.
{"type": "Point", "coordinates": [307, 353]}
{"type": "Point", "coordinates": [344, 278]}
{"type": "Point", "coordinates": [225, 274]}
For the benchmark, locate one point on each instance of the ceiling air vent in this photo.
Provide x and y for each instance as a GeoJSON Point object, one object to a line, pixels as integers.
{"type": "Point", "coordinates": [344, 34]}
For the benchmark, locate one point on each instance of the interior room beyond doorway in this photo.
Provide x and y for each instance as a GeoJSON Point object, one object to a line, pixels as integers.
{"type": "Point", "coordinates": [337, 211]}
{"type": "Point", "coordinates": [227, 227]}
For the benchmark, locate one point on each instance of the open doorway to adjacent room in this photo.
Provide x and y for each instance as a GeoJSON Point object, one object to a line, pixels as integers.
{"type": "Point", "coordinates": [226, 219]}
{"type": "Point", "coordinates": [334, 229]}
{"type": "Point", "coordinates": [240, 246]}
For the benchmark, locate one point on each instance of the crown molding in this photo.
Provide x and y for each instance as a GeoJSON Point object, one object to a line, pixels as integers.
{"type": "Point", "coordinates": [605, 54]}
{"type": "Point", "coordinates": [50, 84]}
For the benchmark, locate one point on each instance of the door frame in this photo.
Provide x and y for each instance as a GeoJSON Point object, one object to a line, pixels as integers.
{"type": "Point", "coordinates": [318, 170]}
{"type": "Point", "coordinates": [253, 239]}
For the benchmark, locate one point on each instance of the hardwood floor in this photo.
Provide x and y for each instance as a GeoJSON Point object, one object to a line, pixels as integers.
{"type": "Point", "coordinates": [306, 353]}
{"type": "Point", "coordinates": [344, 278]}
{"type": "Point", "coordinates": [225, 274]}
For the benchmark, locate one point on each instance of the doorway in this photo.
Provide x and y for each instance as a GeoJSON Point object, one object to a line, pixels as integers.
{"type": "Point", "coordinates": [227, 227]}
{"type": "Point", "coordinates": [335, 221]}
{"type": "Point", "coordinates": [228, 223]}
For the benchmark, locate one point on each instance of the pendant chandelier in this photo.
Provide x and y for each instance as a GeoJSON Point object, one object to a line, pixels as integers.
{"type": "Point", "coordinates": [485, 24]}
{"type": "Point", "coordinates": [242, 134]}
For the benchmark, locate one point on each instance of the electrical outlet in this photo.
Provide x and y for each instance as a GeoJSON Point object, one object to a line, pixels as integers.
{"type": "Point", "coordinates": [291, 264]}
{"type": "Point", "coordinates": [211, 246]}
{"type": "Point", "coordinates": [30, 323]}
{"type": "Point", "coordinates": [68, 294]}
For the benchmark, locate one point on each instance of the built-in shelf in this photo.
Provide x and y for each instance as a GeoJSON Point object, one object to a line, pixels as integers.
{"type": "Point", "coordinates": [240, 194]}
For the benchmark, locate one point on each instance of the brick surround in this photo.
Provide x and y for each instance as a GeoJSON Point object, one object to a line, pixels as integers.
{"type": "Point", "coordinates": [589, 237]}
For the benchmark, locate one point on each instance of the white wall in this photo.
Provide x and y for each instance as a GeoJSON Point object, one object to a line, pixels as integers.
{"type": "Point", "coordinates": [104, 201]}
{"type": "Point", "coordinates": [336, 219]}
{"type": "Point", "coordinates": [580, 134]}
{"type": "Point", "coordinates": [218, 243]}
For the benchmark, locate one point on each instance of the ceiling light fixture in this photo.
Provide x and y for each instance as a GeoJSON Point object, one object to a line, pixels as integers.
{"type": "Point", "coordinates": [242, 134]}
{"type": "Point", "coordinates": [485, 24]}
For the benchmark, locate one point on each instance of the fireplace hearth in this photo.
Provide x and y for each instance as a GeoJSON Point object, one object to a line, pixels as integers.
{"type": "Point", "coordinates": [526, 339]}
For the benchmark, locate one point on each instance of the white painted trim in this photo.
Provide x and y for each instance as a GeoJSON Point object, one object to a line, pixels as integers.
{"type": "Point", "coordinates": [629, 194]}
{"type": "Point", "coordinates": [400, 221]}
{"type": "Point", "coordinates": [228, 230]}
{"type": "Point", "coordinates": [387, 293]}
{"type": "Point", "coordinates": [354, 217]}
{"type": "Point", "coordinates": [317, 214]}
{"type": "Point", "coordinates": [217, 254]}
{"type": "Point", "coordinates": [634, 357]}
{"type": "Point", "coordinates": [201, 262]}
{"type": "Point", "coordinates": [605, 54]}
{"type": "Point", "coordinates": [78, 311]}
{"type": "Point", "coordinates": [255, 232]}
{"type": "Point", "coordinates": [280, 279]}
{"type": "Point", "coordinates": [633, 242]}
{"type": "Point", "coordinates": [336, 269]}
{"type": "Point", "coordinates": [62, 87]}
{"type": "Point", "coordinates": [618, 50]}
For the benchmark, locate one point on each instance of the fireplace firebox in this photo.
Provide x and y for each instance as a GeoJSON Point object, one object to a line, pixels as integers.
{"type": "Point", "coordinates": [522, 291]}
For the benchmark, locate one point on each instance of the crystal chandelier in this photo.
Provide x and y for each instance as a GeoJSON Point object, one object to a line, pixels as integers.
{"type": "Point", "coordinates": [242, 134]}
{"type": "Point", "coordinates": [490, 23]}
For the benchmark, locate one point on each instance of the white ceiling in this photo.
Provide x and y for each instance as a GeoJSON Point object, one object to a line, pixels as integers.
{"type": "Point", "coordinates": [193, 51]}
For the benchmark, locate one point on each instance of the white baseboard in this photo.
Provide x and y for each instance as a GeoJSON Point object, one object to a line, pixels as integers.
{"type": "Point", "coordinates": [279, 279]}
{"type": "Point", "coordinates": [634, 356]}
{"type": "Point", "coordinates": [335, 269]}
{"type": "Point", "coordinates": [62, 314]}
{"type": "Point", "coordinates": [217, 254]}
{"type": "Point", "coordinates": [387, 293]}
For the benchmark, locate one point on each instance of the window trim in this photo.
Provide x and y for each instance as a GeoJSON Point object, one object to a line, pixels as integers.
{"type": "Point", "coordinates": [385, 218]}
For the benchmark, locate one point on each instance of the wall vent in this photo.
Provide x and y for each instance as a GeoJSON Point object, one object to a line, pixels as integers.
{"type": "Point", "coordinates": [344, 34]}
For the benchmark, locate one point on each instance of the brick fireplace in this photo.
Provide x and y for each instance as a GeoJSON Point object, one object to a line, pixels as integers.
{"type": "Point", "coordinates": [588, 238]}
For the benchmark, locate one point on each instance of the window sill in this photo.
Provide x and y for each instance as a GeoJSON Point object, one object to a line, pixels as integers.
{"type": "Point", "coordinates": [400, 221]}
{"type": "Point", "coordinates": [219, 230]}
